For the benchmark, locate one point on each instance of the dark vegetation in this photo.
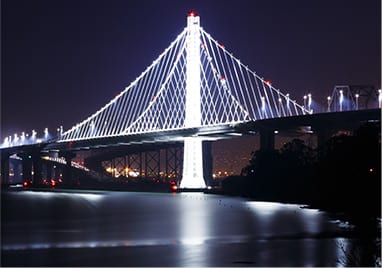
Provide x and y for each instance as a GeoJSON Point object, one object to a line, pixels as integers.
{"type": "Point", "coordinates": [343, 177]}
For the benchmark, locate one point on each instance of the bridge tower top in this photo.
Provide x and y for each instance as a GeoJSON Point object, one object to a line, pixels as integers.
{"type": "Point", "coordinates": [193, 19]}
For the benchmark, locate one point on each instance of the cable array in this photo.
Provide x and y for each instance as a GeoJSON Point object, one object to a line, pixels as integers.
{"type": "Point", "coordinates": [230, 93]}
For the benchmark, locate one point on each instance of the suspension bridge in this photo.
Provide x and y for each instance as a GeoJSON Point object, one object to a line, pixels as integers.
{"type": "Point", "coordinates": [196, 90]}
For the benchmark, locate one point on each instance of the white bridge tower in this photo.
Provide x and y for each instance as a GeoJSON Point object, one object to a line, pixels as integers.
{"type": "Point", "coordinates": [193, 153]}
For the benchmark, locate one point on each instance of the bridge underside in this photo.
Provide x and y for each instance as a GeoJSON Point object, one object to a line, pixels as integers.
{"type": "Point", "coordinates": [317, 123]}
{"type": "Point", "coordinates": [205, 133]}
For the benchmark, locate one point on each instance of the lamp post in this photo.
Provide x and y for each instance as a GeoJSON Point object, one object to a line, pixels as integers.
{"type": "Point", "coordinates": [263, 106]}
{"type": "Point", "coordinates": [46, 133]}
{"type": "Point", "coordinates": [287, 101]}
{"type": "Point", "coordinates": [309, 102]}
{"type": "Point", "coordinates": [305, 97]}
{"type": "Point", "coordinates": [380, 98]}
{"type": "Point", "coordinates": [329, 100]}
{"type": "Point", "coordinates": [341, 99]}
{"type": "Point", "coordinates": [356, 101]}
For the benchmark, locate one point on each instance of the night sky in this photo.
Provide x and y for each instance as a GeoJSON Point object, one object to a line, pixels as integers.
{"type": "Point", "coordinates": [64, 59]}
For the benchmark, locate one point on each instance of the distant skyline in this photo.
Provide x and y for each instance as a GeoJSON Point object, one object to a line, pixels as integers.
{"type": "Point", "coordinates": [64, 60]}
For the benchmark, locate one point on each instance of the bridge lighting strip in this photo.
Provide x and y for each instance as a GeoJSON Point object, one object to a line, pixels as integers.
{"type": "Point", "coordinates": [69, 133]}
{"type": "Point", "coordinates": [144, 110]}
{"type": "Point", "coordinates": [162, 88]}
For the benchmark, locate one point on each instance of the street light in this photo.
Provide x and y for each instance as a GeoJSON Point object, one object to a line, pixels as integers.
{"type": "Point", "coordinates": [22, 137]}
{"type": "Point", "coordinates": [287, 101]}
{"type": "Point", "coordinates": [380, 98]}
{"type": "Point", "coordinates": [6, 142]}
{"type": "Point", "coordinates": [329, 100]}
{"type": "Point", "coordinates": [305, 97]}
{"type": "Point", "coordinates": [46, 133]}
{"type": "Point", "coordinates": [341, 99]}
{"type": "Point", "coordinates": [16, 138]}
{"type": "Point", "coordinates": [356, 101]}
{"type": "Point", "coordinates": [309, 102]}
{"type": "Point", "coordinates": [34, 133]}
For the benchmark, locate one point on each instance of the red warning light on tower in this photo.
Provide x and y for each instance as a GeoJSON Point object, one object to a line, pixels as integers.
{"type": "Point", "coordinates": [191, 13]}
{"type": "Point", "coordinates": [268, 82]}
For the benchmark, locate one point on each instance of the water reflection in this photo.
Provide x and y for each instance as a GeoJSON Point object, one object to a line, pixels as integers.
{"type": "Point", "coordinates": [194, 219]}
{"type": "Point", "coordinates": [191, 229]}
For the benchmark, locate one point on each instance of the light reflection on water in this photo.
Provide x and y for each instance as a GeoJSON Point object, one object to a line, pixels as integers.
{"type": "Point", "coordinates": [198, 229]}
{"type": "Point", "coordinates": [88, 196]}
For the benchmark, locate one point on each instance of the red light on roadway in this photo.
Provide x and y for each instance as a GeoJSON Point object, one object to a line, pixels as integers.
{"type": "Point", "coordinates": [25, 184]}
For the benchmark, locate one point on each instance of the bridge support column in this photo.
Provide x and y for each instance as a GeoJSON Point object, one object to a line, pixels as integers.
{"type": "Point", "coordinates": [207, 162]}
{"type": "Point", "coordinates": [193, 164]}
{"type": "Point", "coordinates": [26, 163]}
{"type": "Point", "coordinates": [49, 173]}
{"type": "Point", "coordinates": [173, 162]}
{"type": "Point", "coordinates": [267, 139]}
{"type": "Point", "coordinates": [37, 168]}
{"type": "Point", "coordinates": [67, 172]}
{"type": "Point", "coordinates": [16, 165]}
{"type": "Point", "coordinates": [4, 168]}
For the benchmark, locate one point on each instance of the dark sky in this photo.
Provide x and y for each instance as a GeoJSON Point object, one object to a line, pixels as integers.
{"type": "Point", "coordinates": [64, 59]}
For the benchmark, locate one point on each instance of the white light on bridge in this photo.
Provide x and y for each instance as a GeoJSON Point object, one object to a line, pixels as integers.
{"type": "Point", "coordinates": [287, 102]}
{"type": "Point", "coordinates": [34, 133]}
{"type": "Point", "coordinates": [380, 98]}
{"type": "Point", "coordinates": [16, 138]}
{"type": "Point", "coordinates": [356, 101]}
{"type": "Point", "coordinates": [341, 99]}
{"type": "Point", "coordinates": [193, 176]}
{"type": "Point", "coordinates": [305, 97]}
{"type": "Point", "coordinates": [46, 133]}
{"type": "Point", "coordinates": [329, 101]}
